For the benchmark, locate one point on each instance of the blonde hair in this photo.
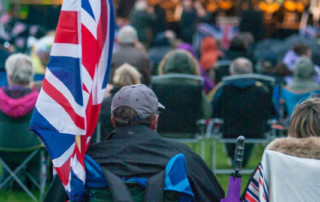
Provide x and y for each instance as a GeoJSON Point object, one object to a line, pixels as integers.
{"type": "Point", "coordinates": [305, 120]}
{"type": "Point", "coordinates": [19, 69]}
{"type": "Point", "coordinates": [126, 75]}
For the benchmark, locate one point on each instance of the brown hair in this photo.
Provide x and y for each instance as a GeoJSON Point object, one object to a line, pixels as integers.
{"type": "Point", "coordinates": [305, 120]}
{"type": "Point", "coordinates": [127, 116]}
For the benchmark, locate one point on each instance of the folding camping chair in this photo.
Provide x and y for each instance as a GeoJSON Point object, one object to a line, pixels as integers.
{"type": "Point", "coordinates": [104, 186]}
{"type": "Point", "coordinates": [20, 148]}
{"type": "Point", "coordinates": [221, 70]}
{"type": "Point", "coordinates": [281, 177]}
{"type": "Point", "coordinates": [181, 94]}
{"type": "Point", "coordinates": [250, 115]}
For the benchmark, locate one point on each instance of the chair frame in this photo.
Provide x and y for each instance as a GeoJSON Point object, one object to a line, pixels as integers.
{"type": "Point", "coordinates": [214, 134]}
{"type": "Point", "coordinates": [13, 173]}
{"type": "Point", "coordinates": [198, 136]}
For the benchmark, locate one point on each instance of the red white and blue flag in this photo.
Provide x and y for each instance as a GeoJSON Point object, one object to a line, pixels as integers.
{"type": "Point", "coordinates": [68, 106]}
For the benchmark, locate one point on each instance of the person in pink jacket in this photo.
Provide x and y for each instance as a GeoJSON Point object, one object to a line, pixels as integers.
{"type": "Point", "coordinates": [18, 99]}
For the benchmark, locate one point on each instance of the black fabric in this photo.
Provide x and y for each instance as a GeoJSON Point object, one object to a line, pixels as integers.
{"type": "Point", "coordinates": [245, 107]}
{"type": "Point", "coordinates": [138, 151]}
{"type": "Point", "coordinates": [188, 25]}
{"type": "Point", "coordinates": [220, 72]}
{"type": "Point", "coordinates": [154, 189]}
{"type": "Point", "coordinates": [105, 114]}
{"type": "Point", "coordinates": [56, 192]}
{"type": "Point", "coordinates": [252, 21]}
{"type": "Point", "coordinates": [183, 107]}
{"type": "Point", "coordinates": [119, 190]}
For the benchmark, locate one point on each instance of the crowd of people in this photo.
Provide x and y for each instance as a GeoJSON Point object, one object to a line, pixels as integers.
{"type": "Point", "coordinates": [246, 82]}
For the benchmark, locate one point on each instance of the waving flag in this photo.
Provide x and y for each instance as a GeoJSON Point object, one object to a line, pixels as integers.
{"type": "Point", "coordinates": [68, 106]}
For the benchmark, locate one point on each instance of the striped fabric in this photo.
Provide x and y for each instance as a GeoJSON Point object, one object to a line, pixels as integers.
{"type": "Point", "coordinates": [75, 80]}
{"type": "Point", "coordinates": [257, 190]}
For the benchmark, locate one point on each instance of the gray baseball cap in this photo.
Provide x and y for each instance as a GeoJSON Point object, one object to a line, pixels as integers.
{"type": "Point", "coordinates": [138, 97]}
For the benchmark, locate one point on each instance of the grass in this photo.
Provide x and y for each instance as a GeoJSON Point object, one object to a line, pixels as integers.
{"type": "Point", "coordinates": [222, 162]}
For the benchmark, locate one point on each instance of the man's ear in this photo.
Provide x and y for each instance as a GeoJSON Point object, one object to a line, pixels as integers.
{"type": "Point", "coordinates": [154, 123]}
{"type": "Point", "coordinates": [112, 121]}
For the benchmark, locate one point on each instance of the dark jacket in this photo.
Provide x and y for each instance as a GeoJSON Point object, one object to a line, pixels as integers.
{"type": "Point", "coordinates": [142, 21]}
{"type": "Point", "coordinates": [133, 56]}
{"type": "Point", "coordinates": [245, 104]}
{"type": "Point", "coordinates": [136, 150]}
{"type": "Point", "coordinates": [105, 114]}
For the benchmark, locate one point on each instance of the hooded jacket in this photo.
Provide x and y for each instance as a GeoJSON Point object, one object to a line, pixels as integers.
{"type": "Point", "coordinates": [210, 53]}
{"type": "Point", "coordinates": [182, 62]}
{"type": "Point", "coordinates": [17, 102]}
{"type": "Point", "coordinates": [208, 85]}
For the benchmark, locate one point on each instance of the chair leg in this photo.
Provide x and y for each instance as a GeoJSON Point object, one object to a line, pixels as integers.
{"type": "Point", "coordinates": [22, 165]}
{"type": "Point", "coordinates": [203, 147]}
{"type": "Point", "coordinates": [43, 175]}
{"type": "Point", "coordinates": [12, 173]}
{"type": "Point", "coordinates": [34, 181]}
{"type": "Point", "coordinates": [214, 152]}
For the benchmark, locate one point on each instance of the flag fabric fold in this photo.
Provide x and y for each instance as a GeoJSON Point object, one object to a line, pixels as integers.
{"type": "Point", "coordinates": [69, 102]}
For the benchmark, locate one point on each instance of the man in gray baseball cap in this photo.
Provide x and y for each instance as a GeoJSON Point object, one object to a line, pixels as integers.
{"type": "Point", "coordinates": [135, 104]}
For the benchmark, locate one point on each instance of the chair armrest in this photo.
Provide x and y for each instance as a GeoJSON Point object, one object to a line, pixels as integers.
{"type": "Point", "coordinates": [214, 127]}
{"type": "Point", "coordinates": [202, 124]}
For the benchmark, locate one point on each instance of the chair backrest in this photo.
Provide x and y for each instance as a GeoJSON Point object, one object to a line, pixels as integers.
{"type": "Point", "coordinates": [268, 81]}
{"type": "Point", "coordinates": [287, 178]}
{"type": "Point", "coordinates": [245, 111]}
{"type": "Point", "coordinates": [291, 98]}
{"type": "Point", "coordinates": [182, 96]}
{"type": "Point", "coordinates": [15, 134]}
{"type": "Point", "coordinates": [221, 69]}
{"type": "Point", "coordinates": [171, 184]}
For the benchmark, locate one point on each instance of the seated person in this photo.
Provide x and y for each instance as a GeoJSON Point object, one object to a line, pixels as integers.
{"type": "Point", "coordinates": [123, 76]}
{"type": "Point", "coordinates": [182, 62]}
{"type": "Point", "coordinates": [303, 142]}
{"type": "Point", "coordinates": [301, 86]}
{"type": "Point", "coordinates": [237, 101]}
{"type": "Point", "coordinates": [134, 148]}
{"type": "Point", "coordinates": [302, 76]}
{"type": "Point", "coordinates": [18, 99]}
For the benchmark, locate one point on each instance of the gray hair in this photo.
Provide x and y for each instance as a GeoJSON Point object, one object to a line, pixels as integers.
{"type": "Point", "coordinates": [140, 5]}
{"type": "Point", "coordinates": [19, 68]}
{"type": "Point", "coordinates": [241, 66]}
{"type": "Point", "coordinates": [127, 35]}
{"type": "Point", "coordinates": [304, 68]}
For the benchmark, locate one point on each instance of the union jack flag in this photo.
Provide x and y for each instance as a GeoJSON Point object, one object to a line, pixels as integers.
{"type": "Point", "coordinates": [68, 106]}
{"type": "Point", "coordinates": [257, 191]}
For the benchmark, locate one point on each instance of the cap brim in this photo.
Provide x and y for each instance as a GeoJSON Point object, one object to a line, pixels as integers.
{"type": "Point", "coordinates": [160, 106]}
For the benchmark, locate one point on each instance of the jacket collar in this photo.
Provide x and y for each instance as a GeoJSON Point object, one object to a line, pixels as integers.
{"type": "Point", "coordinates": [302, 147]}
{"type": "Point", "coordinates": [132, 131]}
